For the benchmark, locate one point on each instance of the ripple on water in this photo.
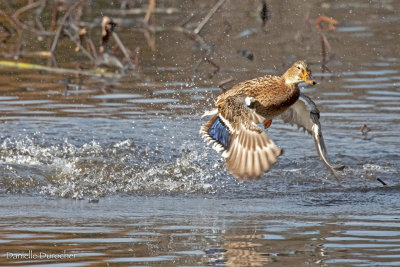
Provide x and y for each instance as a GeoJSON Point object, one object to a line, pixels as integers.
{"type": "Point", "coordinates": [26, 102]}
{"type": "Point", "coordinates": [352, 29]}
{"type": "Point", "coordinates": [372, 85]}
{"type": "Point", "coordinates": [116, 96]}
{"type": "Point", "coordinates": [383, 93]}
{"type": "Point", "coordinates": [142, 259]}
{"type": "Point", "coordinates": [153, 100]}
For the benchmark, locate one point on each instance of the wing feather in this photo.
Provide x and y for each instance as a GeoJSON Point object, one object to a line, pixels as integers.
{"type": "Point", "coordinates": [248, 151]}
{"type": "Point", "coordinates": [251, 153]}
{"type": "Point", "coordinates": [305, 114]}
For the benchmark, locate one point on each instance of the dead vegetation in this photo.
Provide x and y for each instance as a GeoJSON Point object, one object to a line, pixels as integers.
{"type": "Point", "coordinates": [42, 29]}
{"type": "Point", "coordinates": [35, 29]}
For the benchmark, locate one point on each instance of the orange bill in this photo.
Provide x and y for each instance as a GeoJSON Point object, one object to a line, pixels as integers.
{"type": "Point", "coordinates": [307, 78]}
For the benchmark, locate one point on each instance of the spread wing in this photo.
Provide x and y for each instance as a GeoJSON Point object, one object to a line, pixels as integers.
{"type": "Point", "coordinates": [247, 149]}
{"type": "Point", "coordinates": [305, 114]}
{"type": "Point", "coordinates": [251, 152]}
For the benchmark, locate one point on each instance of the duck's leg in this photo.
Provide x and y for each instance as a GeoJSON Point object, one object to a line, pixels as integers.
{"type": "Point", "coordinates": [267, 124]}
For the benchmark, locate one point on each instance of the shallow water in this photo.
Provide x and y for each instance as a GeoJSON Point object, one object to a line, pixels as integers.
{"type": "Point", "coordinates": [113, 171]}
{"type": "Point", "coordinates": [205, 230]}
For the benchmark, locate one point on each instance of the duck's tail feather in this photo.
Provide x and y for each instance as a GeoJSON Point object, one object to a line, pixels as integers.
{"type": "Point", "coordinates": [251, 153]}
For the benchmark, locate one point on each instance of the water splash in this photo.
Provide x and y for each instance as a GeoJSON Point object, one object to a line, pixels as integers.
{"type": "Point", "coordinates": [93, 169]}
{"type": "Point", "coordinates": [36, 164]}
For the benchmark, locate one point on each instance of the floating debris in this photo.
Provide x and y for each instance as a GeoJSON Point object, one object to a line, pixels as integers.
{"type": "Point", "coordinates": [246, 53]}
{"type": "Point", "coordinates": [364, 132]}
{"type": "Point", "coordinates": [264, 13]}
{"type": "Point", "coordinates": [331, 23]}
{"type": "Point", "coordinates": [382, 182]}
{"type": "Point", "coordinates": [107, 27]}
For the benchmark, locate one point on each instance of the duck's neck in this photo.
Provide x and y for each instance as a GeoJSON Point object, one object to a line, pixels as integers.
{"type": "Point", "coordinates": [289, 78]}
{"type": "Point", "coordinates": [292, 91]}
{"type": "Point", "coordinates": [291, 84]}
{"type": "Point", "coordinates": [295, 93]}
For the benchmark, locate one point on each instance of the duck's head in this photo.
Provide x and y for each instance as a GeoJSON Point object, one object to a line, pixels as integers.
{"type": "Point", "coordinates": [297, 73]}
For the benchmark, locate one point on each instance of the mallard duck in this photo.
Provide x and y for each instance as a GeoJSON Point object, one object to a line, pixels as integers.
{"type": "Point", "coordinates": [233, 129]}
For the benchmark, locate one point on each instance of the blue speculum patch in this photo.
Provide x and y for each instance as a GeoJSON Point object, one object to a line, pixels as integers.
{"type": "Point", "coordinates": [219, 132]}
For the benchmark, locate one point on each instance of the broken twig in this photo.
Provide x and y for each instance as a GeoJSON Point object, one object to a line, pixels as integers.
{"type": "Point", "coordinates": [26, 27]}
{"type": "Point", "coordinates": [208, 16]}
{"type": "Point", "coordinates": [223, 83]}
{"type": "Point", "coordinates": [149, 12]}
{"type": "Point", "coordinates": [78, 44]}
{"type": "Point", "coordinates": [139, 11]}
{"type": "Point", "coordinates": [325, 46]}
{"type": "Point", "coordinates": [123, 49]}
{"type": "Point", "coordinates": [59, 29]}
{"type": "Point", "coordinates": [21, 65]}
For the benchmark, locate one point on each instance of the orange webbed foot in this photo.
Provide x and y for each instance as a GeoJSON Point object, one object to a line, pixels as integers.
{"type": "Point", "coordinates": [267, 124]}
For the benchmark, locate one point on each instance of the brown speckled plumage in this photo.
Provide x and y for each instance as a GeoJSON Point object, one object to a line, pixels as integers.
{"type": "Point", "coordinates": [247, 150]}
{"type": "Point", "coordinates": [273, 94]}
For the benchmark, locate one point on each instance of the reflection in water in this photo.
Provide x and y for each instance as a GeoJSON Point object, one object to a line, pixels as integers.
{"type": "Point", "coordinates": [242, 250]}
